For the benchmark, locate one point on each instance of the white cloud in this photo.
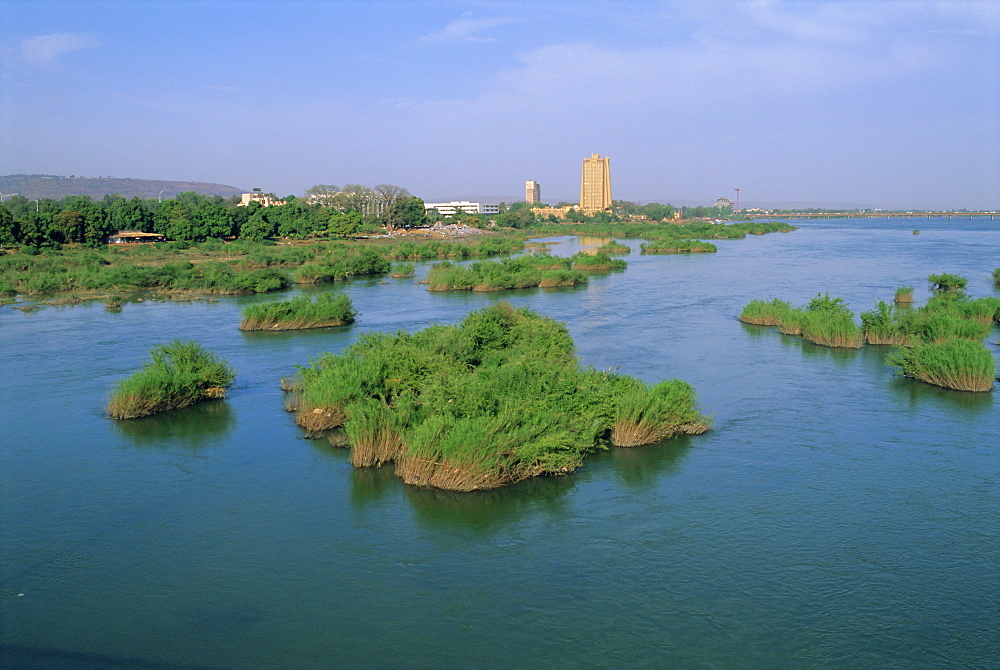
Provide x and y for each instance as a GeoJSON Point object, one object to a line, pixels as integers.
{"type": "Point", "coordinates": [44, 50]}
{"type": "Point", "coordinates": [466, 29]}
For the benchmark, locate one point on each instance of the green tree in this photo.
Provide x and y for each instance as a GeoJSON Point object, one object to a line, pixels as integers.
{"type": "Point", "coordinates": [344, 223]}
{"type": "Point", "coordinates": [9, 233]}
{"type": "Point", "coordinates": [406, 212]}
{"type": "Point", "coordinates": [257, 227]}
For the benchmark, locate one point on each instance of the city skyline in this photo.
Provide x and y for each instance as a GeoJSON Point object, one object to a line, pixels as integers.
{"type": "Point", "coordinates": [883, 104]}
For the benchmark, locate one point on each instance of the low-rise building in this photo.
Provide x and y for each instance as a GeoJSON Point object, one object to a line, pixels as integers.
{"type": "Point", "coordinates": [263, 199]}
{"type": "Point", "coordinates": [455, 206]}
{"type": "Point", "coordinates": [134, 237]}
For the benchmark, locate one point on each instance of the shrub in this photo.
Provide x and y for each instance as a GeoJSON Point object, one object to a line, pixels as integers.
{"type": "Point", "coordinates": [947, 283]}
{"type": "Point", "coordinates": [904, 294]}
{"type": "Point", "coordinates": [178, 374]}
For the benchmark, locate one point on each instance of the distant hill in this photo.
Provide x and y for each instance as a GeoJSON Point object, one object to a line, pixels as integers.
{"type": "Point", "coordinates": [34, 186]}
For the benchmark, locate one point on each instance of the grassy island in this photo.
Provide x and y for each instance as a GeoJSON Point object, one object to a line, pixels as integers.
{"type": "Point", "coordinates": [178, 374]}
{"type": "Point", "coordinates": [903, 295]}
{"type": "Point", "coordinates": [539, 270]}
{"type": "Point", "coordinates": [613, 247]}
{"type": "Point", "coordinates": [677, 246]}
{"type": "Point", "coordinates": [300, 313]}
{"type": "Point", "coordinates": [941, 343]}
{"type": "Point", "coordinates": [402, 270]}
{"type": "Point", "coordinates": [824, 320]}
{"type": "Point", "coordinates": [489, 402]}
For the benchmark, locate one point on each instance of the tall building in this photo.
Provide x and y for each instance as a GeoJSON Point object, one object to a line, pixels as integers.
{"type": "Point", "coordinates": [595, 184]}
{"type": "Point", "coordinates": [532, 192]}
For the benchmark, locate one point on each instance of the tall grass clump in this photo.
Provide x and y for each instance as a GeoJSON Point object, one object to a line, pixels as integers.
{"type": "Point", "coordinates": [644, 415]}
{"type": "Point", "coordinates": [508, 273]}
{"type": "Point", "coordinates": [598, 262]}
{"type": "Point", "coordinates": [489, 402]}
{"type": "Point", "coordinates": [299, 313]}
{"type": "Point", "coordinates": [402, 270]}
{"type": "Point", "coordinates": [904, 294]}
{"type": "Point", "coordinates": [883, 325]}
{"type": "Point", "coordinates": [996, 276]}
{"type": "Point", "coordinates": [677, 246]}
{"type": "Point", "coordinates": [962, 365]}
{"type": "Point", "coordinates": [765, 312]}
{"type": "Point", "coordinates": [178, 374]}
{"type": "Point", "coordinates": [614, 247]}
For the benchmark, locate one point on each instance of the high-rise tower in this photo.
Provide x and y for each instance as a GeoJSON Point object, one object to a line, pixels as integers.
{"type": "Point", "coordinates": [595, 183]}
{"type": "Point", "coordinates": [532, 192]}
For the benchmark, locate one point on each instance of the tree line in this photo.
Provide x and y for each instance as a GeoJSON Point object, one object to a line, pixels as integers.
{"type": "Point", "coordinates": [193, 217]}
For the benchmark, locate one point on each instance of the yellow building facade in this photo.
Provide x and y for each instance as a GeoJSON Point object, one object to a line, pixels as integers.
{"type": "Point", "coordinates": [595, 184]}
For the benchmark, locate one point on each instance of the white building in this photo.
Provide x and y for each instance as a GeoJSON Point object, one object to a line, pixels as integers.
{"type": "Point", "coordinates": [450, 208]}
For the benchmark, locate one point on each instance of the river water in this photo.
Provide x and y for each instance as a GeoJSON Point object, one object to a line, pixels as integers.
{"type": "Point", "coordinates": [837, 514]}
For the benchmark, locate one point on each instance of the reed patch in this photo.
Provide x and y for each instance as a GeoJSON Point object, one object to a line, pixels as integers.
{"type": "Point", "coordinates": [178, 374]}
{"type": "Point", "coordinates": [487, 403]}
{"type": "Point", "coordinates": [299, 313]}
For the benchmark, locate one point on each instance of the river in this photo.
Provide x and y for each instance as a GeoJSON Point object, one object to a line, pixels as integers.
{"type": "Point", "coordinates": [837, 514]}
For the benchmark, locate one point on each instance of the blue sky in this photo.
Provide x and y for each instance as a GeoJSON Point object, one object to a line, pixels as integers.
{"type": "Point", "coordinates": [877, 103]}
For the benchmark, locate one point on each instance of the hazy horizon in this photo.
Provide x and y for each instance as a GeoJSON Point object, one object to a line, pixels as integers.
{"type": "Point", "coordinates": [882, 104]}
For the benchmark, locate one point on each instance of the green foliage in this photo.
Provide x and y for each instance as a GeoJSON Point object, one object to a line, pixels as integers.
{"type": "Point", "coordinates": [178, 374]}
{"type": "Point", "coordinates": [677, 246]}
{"type": "Point", "coordinates": [765, 312]}
{"type": "Point", "coordinates": [947, 283]}
{"type": "Point", "coordinates": [403, 270]}
{"type": "Point", "coordinates": [613, 247]}
{"type": "Point", "coordinates": [996, 276]}
{"type": "Point", "coordinates": [903, 294]}
{"type": "Point", "coordinates": [302, 312]}
{"type": "Point", "coordinates": [508, 273]}
{"type": "Point", "coordinates": [598, 262]}
{"type": "Point", "coordinates": [489, 402]}
{"type": "Point", "coordinates": [963, 365]}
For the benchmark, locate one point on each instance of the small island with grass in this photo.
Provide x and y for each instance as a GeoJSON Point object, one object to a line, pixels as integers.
{"type": "Point", "coordinates": [940, 343]}
{"type": "Point", "coordinates": [178, 374]}
{"type": "Point", "coordinates": [492, 401]}
{"type": "Point", "coordinates": [302, 312]}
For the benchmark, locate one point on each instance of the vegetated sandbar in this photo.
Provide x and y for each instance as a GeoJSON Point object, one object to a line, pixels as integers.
{"type": "Point", "coordinates": [489, 402]}
{"type": "Point", "coordinates": [941, 343]}
{"type": "Point", "coordinates": [300, 313]}
{"type": "Point", "coordinates": [536, 270]}
{"type": "Point", "coordinates": [178, 374]}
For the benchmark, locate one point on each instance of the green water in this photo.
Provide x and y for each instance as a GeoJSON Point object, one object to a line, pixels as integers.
{"type": "Point", "coordinates": [837, 515]}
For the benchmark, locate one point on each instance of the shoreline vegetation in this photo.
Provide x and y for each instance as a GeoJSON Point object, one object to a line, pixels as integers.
{"type": "Point", "coordinates": [300, 313]}
{"type": "Point", "coordinates": [64, 274]}
{"type": "Point", "coordinates": [940, 343]}
{"type": "Point", "coordinates": [178, 373]}
{"type": "Point", "coordinates": [490, 402]}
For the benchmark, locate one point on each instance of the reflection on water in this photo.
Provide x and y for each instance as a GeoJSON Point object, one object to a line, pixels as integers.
{"type": "Point", "coordinates": [645, 467]}
{"type": "Point", "coordinates": [486, 510]}
{"type": "Point", "coordinates": [196, 427]}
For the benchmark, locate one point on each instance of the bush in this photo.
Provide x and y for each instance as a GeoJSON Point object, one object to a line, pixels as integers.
{"type": "Point", "coordinates": [903, 294]}
{"type": "Point", "coordinates": [947, 283]}
{"type": "Point", "coordinates": [178, 374]}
